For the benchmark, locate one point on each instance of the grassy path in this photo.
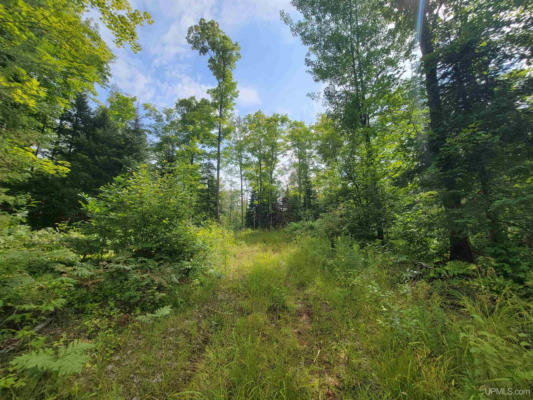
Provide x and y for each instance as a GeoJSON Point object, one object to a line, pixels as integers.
{"type": "Point", "coordinates": [279, 319]}
{"type": "Point", "coordinates": [247, 333]}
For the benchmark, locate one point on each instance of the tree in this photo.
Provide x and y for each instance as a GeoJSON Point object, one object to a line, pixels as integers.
{"type": "Point", "coordinates": [255, 143]}
{"type": "Point", "coordinates": [473, 58]}
{"type": "Point", "coordinates": [48, 55]}
{"type": "Point", "coordinates": [208, 38]}
{"type": "Point", "coordinates": [274, 132]}
{"type": "Point", "coordinates": [238, 156]}
{"type": "Point", "coordinates": [185, 142]}
{"type": "Point", "coordinates": [162, 126]}
{"type": "Point", "coordinates": [72, 55]}
{"type": "Point", "coordinates": [357, 54]}
{"type": "Point", "coordinates": [185, 131]}
{"type": "Point", "coordinates": [97, 146]}
{"type": "Point", "coordinates": [264, 142]}
{"type": "Point", "coordinates": [194, 127]}
{"type": "Point", "coordinates": [300, 139]}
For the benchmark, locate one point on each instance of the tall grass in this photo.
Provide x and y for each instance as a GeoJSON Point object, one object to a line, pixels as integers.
{"type": "Point", "coordinates": [278, 318]}
{"type": "Point", "coordinates": [388, 339]}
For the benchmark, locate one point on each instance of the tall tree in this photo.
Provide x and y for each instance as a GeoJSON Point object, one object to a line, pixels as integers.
{"type": "Point", "coordinates": [162, 126]}
{"type": "Point", "coordinates": [208, 38]}
{"type": "Point", "coordinates": [49, 53]}
{"type": "Point", "coordinates": [474, 57]}
{"type": "Point", "coordinates": [255, 143]}
{"type": "Point", "coordinates": [300, 139]}
{"type": "Point", "coordinates": [72, 55]}
{"type": "Point", "coordinates": [265, 142]}
{"type": "Point", "coordinates": [194, 127]}
{"type": "Point", "coordinates": [357, 54]}
{"type": "Point", "coordinates": [97, 146]}
{"type": "Point", "coordinates": [238, 156]}
{"type": "Point", "coordinates": [274, 132]}
{"type": "Point", "coordinates": [185, 141]}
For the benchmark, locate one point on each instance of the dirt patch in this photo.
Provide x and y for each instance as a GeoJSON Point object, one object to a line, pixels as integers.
{"type": "Point", "coordinates": [302, 327]}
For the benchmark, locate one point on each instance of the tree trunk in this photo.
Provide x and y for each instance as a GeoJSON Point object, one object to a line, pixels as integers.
{"type": "Point", "coordinates": [242, 196]}
{"type": "Point", "coordinates": [270, 210]}
{"type": "Point", "coordinates": [260, 196]}
{"type": "Point", "coordinates": [219, 140]}
{"type": "Point", "coordinates": [432, 87]}
{"type": "Point", "coordinates": [460, 248]}
{"type": "Point", "coordinates": [300, 185]}
{"type": "Point", "coordinates": [495, 231]}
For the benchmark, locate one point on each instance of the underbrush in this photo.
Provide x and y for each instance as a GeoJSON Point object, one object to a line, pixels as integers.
{"type": "Point", "coordinates": [454, 332]}
{"type": "Point", "coordinates": [67, 294]}
{"type": "Point", "coordinates": [58, 312]}
{"type": "Point", "coordinates": [267, 315]}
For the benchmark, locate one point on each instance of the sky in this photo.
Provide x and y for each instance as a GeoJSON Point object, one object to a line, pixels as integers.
{"type": "Point", "coordinates": [271, 75]}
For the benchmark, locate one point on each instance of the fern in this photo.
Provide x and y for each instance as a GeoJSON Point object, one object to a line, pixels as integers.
{"type": "Point", "coordinates": [68, 360]}
{"type": "Point", "coordinates": [159, 313]}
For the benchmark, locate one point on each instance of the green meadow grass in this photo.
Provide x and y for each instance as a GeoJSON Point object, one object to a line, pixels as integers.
{"type": "Point", "coordinates": [295, 319]}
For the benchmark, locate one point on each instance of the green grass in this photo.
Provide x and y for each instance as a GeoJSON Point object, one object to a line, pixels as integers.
{"type": "Point", "coordinates": [285, 319]}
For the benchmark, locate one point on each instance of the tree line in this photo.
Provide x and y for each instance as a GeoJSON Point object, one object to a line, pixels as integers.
{"type": "Point", "coordinates": [425, 143]}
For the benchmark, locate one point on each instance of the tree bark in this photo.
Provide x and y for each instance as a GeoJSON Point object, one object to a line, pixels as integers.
{"type": "Point", "coordinates": [460, 248]}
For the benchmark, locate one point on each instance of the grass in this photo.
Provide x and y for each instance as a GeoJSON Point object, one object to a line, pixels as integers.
{"type": "Point", "coordinates": [285, 319]}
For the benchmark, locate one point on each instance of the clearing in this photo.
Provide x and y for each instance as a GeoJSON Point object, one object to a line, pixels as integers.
{"type": "Point", "coordinates": [281, 318]}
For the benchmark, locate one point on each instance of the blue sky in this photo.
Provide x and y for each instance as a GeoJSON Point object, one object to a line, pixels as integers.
{"type": "Point", "coordinates": [271, 74]}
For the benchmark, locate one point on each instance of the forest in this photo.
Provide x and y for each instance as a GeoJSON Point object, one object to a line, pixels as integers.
{"type": "Point", "coordinates": [189, 251]}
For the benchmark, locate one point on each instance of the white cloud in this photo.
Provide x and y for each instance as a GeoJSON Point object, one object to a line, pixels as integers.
{"type": "Point", "coordinates": [162, 72]}
{"type": "Point", "coordinates": [132, 80]}
{"type": "Point", "coordinates": [184, 13]}
{"type": "Point", "coordinates": [180, 86]}
{"type": "Point", "coordinates": [176, 8]}
{"type": "Point", "coordinates": [162, 90]}
{"type": "Point", "coordinates": [178, 15]}
{"type": "Point", "coordinates": [248, 96]}
{"type": "Point", "coordinates": [235, 12]}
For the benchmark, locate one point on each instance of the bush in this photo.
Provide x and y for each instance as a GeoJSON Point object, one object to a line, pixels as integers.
{"type": "Point", "coordinates": [417, 230]}
{"type": "Point", "coordinates": [143, 215]}
{"type": "Point", "coordinates": [302, 228]}
{"type": "Point", "coordinates": [131, 257]}
{"type": "Point", "coordinates": [512, 262]}
{"type": "Point", "coordinates": [145, 243]}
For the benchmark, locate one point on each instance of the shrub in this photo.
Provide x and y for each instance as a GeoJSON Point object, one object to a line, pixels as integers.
{"type": "Point", "coordinates": [144, 214]}
{"type": "Point", "coordinates": [417, 231]}
{"type": "Point", "coordinates": [512, 262]}
{"type": "Point", "coordinates": [145, 243]}
{"type": "Point", "coordinates": [302, 228]}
